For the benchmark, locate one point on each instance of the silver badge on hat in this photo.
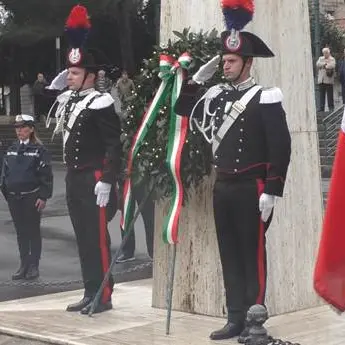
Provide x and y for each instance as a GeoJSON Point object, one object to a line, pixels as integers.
{"type": "Point", "coordinates": [233, 41]}
{"type": "Point", "coordinates": [74, 56]}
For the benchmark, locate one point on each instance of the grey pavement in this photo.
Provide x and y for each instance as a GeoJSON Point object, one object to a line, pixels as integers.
{"type": "Point", "coordinates": [7, 340]}
{"type": "Point", "coordinates": [59, 267]}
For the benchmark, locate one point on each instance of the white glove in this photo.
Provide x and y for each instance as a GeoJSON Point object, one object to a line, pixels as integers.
{"type": "Point", "coordinates": [207, 70]}
{"type": "Point", "coordinates": [266, 204]}
{"type": "Point", "coordinates": [59, 82]}
{"type": "Point", "coordinates": [102, 190]}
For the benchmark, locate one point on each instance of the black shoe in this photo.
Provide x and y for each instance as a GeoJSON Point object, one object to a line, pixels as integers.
{"type": "Point", "coordinates": [100, 308]}
{"type": "Point", "coordinates": [244, 336]}
{"type": "Point", "coordinates": [21, 272]}
{"type": "Point", "coordinates": [32, 272]}
{"type": "Point", "coordinates": [79, 305]}
{"type": "Point", "coordinates": [230, 330]}
{"type": "Point", "coordinates": [124, 258]}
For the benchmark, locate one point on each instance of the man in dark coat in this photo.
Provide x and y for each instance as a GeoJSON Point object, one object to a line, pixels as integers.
{"type": "Point", "coordinates": [247, 128]}
{"type": "Point", "coordinates": [92, 153]}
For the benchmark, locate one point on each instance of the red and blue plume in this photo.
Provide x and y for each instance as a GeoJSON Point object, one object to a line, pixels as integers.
{"type": "Point", "coordinates": [237, 13]}
{"type": "Point", "coordinates": [77, 26]}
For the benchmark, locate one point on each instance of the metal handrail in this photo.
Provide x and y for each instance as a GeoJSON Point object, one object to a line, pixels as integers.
{"type": "Point", "coordinates": [332, 124]}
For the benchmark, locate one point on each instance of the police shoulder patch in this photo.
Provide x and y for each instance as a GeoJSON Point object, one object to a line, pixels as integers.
{"type": "Point", "coordinates": [271, 95]}
{"type": "Point", "coordinates": [101, 102]}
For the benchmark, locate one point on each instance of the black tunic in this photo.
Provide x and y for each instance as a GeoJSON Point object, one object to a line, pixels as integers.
{"type": "Point", "coordinates": [258, 145]}
{"type": "Point", "coordinates": [94, 140]}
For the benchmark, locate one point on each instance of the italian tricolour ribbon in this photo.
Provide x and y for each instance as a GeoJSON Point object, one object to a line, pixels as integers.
{"type": "Point", "coordinates": [172, 75]}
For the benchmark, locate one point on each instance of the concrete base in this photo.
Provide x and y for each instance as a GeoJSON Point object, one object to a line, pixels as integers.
{"type": "Point", "coordinates": [134, 322]}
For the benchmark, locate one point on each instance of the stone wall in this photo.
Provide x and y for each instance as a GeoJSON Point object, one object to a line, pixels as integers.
{"type": "Point", "coordinates": [294, 233]}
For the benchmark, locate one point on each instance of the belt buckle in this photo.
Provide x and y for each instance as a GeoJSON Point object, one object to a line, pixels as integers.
{"type": "Point", "coordinates": [239, 107]}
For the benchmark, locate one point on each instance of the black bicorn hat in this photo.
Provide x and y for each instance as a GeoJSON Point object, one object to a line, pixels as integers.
{"type": "Point", "coordinates": [77, 28]}
{"type": "Point", "coordinates": [244, 44]}
{"type": "Point", "coordinates": [237, 14]}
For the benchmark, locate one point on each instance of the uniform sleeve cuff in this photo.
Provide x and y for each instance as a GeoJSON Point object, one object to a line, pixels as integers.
{"type": "Point", "coordinates": [274, 187]}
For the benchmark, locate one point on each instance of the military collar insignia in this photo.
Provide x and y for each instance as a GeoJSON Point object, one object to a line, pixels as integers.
{"type": "Point", "coordinates": [245, 84]}
{"type": "Point", "coordinates": [86, 92]}
{"type": "Point", "coordinates": [82, 93]}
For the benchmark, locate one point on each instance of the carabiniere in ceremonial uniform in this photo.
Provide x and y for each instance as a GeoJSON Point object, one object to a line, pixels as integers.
{"type": "Point", "coordinates": [92, 153]}
{"type": "Point", "coordinates": [27, 183]}
{"type": "Point", "coordinates": [247, 128]}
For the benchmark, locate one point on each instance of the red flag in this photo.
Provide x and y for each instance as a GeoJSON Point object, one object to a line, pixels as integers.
{"type": "Point", "coordinates": [329, 275]}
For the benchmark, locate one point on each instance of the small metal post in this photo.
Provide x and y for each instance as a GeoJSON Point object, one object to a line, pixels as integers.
{"type": "Point", "coordinates": [170, 288]}
{"type": "Point", "coordinates": [58, 54]}
{"type": "Point", "coordinates": [257, 315]}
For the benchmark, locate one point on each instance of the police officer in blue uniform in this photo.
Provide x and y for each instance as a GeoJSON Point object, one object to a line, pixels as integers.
{"type": "Point", "coordinates": [92, 153]}
{"type": "Point", "coordinates": [27, 183]}
{"type": "Point", "coordinates": [251, 146]}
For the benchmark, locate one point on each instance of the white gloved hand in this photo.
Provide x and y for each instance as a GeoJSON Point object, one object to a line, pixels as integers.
{"type": "Point", "coordinates": [266, 204]}
{"type": "Point", "coordinates": [207, 70]}
{"type": "Point", "coordinates": [102, 190]}
{"type": "Point", "coordinates": [59, 82]}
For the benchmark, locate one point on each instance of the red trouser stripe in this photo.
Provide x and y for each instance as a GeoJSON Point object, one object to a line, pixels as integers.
{"type": "Point", "coordinates": [103, 243]}
{"type": "Point", "coordinates": [261, 253]}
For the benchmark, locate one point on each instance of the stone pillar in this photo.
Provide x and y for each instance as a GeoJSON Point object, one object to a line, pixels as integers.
{"type": "Point", "coordinates": [294, 233]}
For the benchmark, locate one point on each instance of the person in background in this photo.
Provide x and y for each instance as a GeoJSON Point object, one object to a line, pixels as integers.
{"type": "Point", "coordinates": [125, 87]}
{"type": "Point", "coordinates": [342, 77]}
{"type": "Point", "coordinates": [40, 102]}
{"type": "Point", "coordinates": [148, 215]}
{"type": "Point", "coordinates": [326, 72]}
{"type": "Point", "coordinates": [27, 184]}
{"type": "Point", "coordinates": [103, 83]}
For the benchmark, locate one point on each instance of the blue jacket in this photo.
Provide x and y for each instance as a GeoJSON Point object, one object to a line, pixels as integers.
{"type": "Point", "coordinates": [26, 168]}
{"type": "Point", "coordinates": [342, 72]}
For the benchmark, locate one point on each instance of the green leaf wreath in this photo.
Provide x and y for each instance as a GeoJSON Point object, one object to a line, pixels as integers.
{"type": "Point", "coordinates": [149, 164]}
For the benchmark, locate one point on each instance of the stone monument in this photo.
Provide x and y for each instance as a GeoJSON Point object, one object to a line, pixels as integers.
{"type": "Point", "coordinates": [294, 234]}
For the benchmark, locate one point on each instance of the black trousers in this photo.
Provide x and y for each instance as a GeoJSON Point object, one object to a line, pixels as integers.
{"type": "Point", "coordinates": [326, 89]}
{"type": "Point", "coordinates": [343, 92]}
{"type": "Point", "coordinates": [242, 244]}
{"type": "Point", "coordinates": [148, 214]}
{"type": "Point", "coordinates": [90, 224]}
{"type": "Point", "coordinates": [40, 106]}
{"type": "Point", "coordinates": [27, 221]}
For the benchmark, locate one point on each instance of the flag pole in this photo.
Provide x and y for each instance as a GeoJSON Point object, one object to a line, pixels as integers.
{"type": "Point", "coordinates": [170, 287]}
{"type": "Point", "coordinates": [97, 298]}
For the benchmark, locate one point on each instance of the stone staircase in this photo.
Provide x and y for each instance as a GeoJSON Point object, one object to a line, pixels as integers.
{"type": "Point", "coordinates": [7, 135]}
{"type": "Point", "coordinates": [328, 130]}
{"type": "Point", "coordinates": [326, 160]}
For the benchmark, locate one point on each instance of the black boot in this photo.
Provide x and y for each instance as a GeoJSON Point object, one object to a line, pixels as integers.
{"type": "Point", "coordinates": [21, 272]}
{"type": "Point", "coordinates": [80, 305]}
{"type": "Point", "coordinates": [100, 308]}
{"type": "Point", "coordinates": [32, 272]}
{"type": "Point", "coordinates": [230, 330]}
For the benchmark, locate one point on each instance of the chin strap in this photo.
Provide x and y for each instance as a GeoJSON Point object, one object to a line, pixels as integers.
{"type": "Point", "coordinates": [82, 84]}
{"type": "Point", "coordinates": [244, 59]}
